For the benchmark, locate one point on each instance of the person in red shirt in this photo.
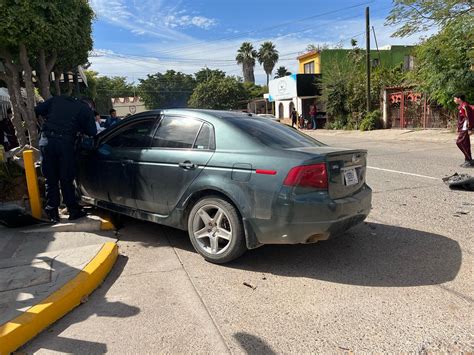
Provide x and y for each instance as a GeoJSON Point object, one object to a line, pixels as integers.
{"type": "Point", "coordinates": [465, 123]}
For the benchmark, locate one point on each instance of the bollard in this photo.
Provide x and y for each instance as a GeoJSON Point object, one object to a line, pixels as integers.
{"type": "Point", "coordinates": [32, 183]}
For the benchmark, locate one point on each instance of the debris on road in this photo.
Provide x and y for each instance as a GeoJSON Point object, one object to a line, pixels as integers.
{"type": "Point", "coordinates": [251, 286]}
{"type": "Point", "coordinates": [460, 182]}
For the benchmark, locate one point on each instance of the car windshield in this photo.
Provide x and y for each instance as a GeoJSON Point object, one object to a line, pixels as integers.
{"type": "Point", "coordinates": [274, 135]}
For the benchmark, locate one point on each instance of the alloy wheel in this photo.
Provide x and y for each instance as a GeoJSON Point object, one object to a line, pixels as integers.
{"type": "Point", "coordinates": [212, 229]}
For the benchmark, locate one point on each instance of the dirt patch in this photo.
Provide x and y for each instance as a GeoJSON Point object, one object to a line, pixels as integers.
{"type": "Point", "coordinates": [12, 183]}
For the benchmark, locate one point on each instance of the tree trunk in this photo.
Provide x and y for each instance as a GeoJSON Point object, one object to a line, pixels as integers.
{"type": "Point", "coordinates": [45, 67]}
{"type": "Point", "coordinates": [57, 80]}
{"type": "Point", "coordinates": [12, 79]}
{"type": "Point", "coordinates": [31, 122]}
{"type": "Point", "coordinates": [68, 83]}
{"type": "Point", "coordinates": [13, 87]}
{"type": "Point", "coordinates": [248, 73]}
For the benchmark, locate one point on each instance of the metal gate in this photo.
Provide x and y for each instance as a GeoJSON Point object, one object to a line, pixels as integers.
{"type": "Point", "coordinates": [409, 109]}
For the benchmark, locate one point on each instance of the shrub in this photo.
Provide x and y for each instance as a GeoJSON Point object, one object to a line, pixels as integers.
{"type": "Point", "coordinates": [371, 121]}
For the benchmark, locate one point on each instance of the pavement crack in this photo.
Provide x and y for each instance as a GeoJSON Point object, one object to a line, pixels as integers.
{"type": "Point", "coordinates": [457, 294]}
{"type": "Point", "coordinates": [151, 272]}
{"type": "Point", "coordinates": [214, 322]}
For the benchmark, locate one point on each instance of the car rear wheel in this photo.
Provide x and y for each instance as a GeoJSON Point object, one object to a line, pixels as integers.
{"type": "Point", "coordinates": [216, 230]}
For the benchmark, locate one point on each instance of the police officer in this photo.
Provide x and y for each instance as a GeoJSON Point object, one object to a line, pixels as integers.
{"type": "Point", "coordinates": [64, 118]}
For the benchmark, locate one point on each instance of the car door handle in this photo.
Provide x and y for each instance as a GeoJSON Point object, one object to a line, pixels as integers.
{"type": "Point", "coordinates": [126, 161]}
{"type": "Point", "coordinates": [188, 165]}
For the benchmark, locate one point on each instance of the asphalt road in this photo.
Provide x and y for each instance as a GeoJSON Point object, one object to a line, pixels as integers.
{"type": "Point", "coordinates": [402, 281]}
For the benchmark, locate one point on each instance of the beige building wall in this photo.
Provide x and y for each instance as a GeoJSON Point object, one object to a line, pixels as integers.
{"type": "Point", "coordinates": [128, 105]}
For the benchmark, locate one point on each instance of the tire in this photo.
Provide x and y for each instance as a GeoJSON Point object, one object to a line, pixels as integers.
{"type": "Point", "coordinates": [215, 230]}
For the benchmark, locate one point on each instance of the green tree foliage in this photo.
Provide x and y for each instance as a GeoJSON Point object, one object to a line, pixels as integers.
{"type": "Point", "coordinates": [268, 56]}
{"type": "Point", "coordinates": [254, 91]}
{"type": "Point", "coordinates": [167, 90]}
{"type": "Point", "coordinates": [344, 84]}
{"type": "Point", "coordinates": [34, 34]}
{"type": "Point", "coordinates": [420, 15]}
{"type": "Point", "coordinates": [344, 90]}
{"type": "Point", "coordinates": [444, 64]}
{"type": "Point", "coordinates": [109, 87]}
{"type": "Point", "coordinates": [219, 93]}
{"type": "Point", "coordinates": [205, 74]}
{"type": "Point", "coordinates": [282, 72]}
{"type": "Point", "coordinates": [246, 56]}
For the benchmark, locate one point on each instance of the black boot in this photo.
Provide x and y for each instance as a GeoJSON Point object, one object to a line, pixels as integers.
{"type": "Point", "coordinates": [76, 214]}
{"type": "Point", "coordinates": [53, 214]}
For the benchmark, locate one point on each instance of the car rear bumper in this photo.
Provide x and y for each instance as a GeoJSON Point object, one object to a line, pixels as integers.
{"type": "Point", "coordinates": [308, 220]}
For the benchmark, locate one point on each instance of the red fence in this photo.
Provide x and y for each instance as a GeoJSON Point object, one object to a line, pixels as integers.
{"type": "Point", "coordinates": [409, 109]}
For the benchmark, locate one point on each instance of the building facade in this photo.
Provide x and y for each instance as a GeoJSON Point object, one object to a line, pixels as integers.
{"type": "Point", "coordinates": [126, 106]}
{"type": "Point", "coordinates": [298, 91]}
{"type": "Point", "coordinates": [309, 63]}
{"type": "Point", "coordinates": [388, 56]}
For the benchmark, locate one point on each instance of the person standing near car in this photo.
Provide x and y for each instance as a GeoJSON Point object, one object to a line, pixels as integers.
{"type": "Point", "coordinates": [465, 123]}
{"type": "Point", "coordinates": [294, 118]}
{"type": "Point", "coordinates": [113, 119]}
{"type": "Point", "coordinates": [65, 117]}
{"type": "Point", "coordinates": [98, 122]}
{"type": "Point", "coordinates": [312, 114]}
{"type": "Point", "coordinates": [7, 132]}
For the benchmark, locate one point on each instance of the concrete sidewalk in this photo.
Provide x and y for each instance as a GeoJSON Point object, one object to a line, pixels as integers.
{"type": "Point", "coordinates": [429, 135]}
{"type": "Point", "coordinates": [43, 269]}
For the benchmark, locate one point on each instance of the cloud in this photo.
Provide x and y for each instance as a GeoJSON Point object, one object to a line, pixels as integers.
{"type": "Point", "coordinates": [188, 21]}
{"type": "Point", "coordinates": [150, 17]}
{"type": "Point", "coordinates": [195, 54]}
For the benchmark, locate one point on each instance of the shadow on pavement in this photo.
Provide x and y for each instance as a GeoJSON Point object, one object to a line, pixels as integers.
{"type": "Point", "coordinates": [253, 344]}
{"type": "Point", "coordinates": [97, 304]}
{"type": "Point", "coordinates": [368, 255]}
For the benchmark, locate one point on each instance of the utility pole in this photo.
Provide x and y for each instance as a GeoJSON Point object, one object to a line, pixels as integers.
{"type": "Point", "coordinates": [367, 38]}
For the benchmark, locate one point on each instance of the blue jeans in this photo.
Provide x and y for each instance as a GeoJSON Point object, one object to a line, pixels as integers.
{"type": "Point", "coordinates": [313, 122]}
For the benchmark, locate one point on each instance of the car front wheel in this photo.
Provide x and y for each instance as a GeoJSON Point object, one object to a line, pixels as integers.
{"type": "Point", "coordinates": [216, 230]}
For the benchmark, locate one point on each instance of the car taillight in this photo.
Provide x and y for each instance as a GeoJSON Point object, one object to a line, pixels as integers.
{"type": "Point", "coordinates": [308, 176]}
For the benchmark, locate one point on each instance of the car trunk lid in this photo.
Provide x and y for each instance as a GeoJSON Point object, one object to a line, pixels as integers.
{"type": "Point", "coordinates": [346, 168]}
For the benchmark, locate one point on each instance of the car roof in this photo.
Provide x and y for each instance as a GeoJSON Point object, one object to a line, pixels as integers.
{"type": "Point", "coordinates": [196, 112]}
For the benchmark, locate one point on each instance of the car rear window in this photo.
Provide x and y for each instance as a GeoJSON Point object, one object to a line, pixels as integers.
{"type": "Point", "coordinates": [273, 134]}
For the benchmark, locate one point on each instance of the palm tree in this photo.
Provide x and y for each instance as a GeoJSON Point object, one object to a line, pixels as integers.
{"type": "Point", "coordinates": [268, 56]}
{"type": "Point", "coordinates": [281, 72]}
{"type": "Point", "coordinates": [246, 57]}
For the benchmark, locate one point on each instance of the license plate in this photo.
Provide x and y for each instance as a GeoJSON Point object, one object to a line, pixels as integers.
{"type": "Point", "coordinates": [350, 177]}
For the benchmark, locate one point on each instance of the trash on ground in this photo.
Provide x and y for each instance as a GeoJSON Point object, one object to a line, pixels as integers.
{"type": "Point", "coordinates": [460, 182]}
{"type": "Point", "coordinates": [15, 216]}
{"type": "Point", "coordinates": [249, 285]}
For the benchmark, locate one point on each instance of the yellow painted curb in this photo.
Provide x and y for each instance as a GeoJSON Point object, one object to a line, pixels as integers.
{"type": "Point", "coordinates": [106, 225]}
{"type": "Point", "coordinates": [18, 331]}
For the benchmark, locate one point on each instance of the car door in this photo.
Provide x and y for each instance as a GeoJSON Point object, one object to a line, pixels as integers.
{"type": "Point", "coordinates": [118, 156]}
{"type": "Point", "coordinates": [180, 149]}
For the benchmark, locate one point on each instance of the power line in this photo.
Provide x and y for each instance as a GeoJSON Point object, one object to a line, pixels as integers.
{"type": "Point", "coordinates": [243, 34]}
{"type": "Point", "coordinates": [223, 61]}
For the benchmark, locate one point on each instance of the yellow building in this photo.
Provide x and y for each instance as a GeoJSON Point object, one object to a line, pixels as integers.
{"type": "Point", "coordinates": [309, 63]}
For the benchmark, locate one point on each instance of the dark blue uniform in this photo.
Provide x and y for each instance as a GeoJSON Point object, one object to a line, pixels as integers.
{"type": "Point", "coordinates": [64, 117]}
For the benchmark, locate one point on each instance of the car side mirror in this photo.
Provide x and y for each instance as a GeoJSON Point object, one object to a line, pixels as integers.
{"type": "Point", "coordinates": [88, 143]}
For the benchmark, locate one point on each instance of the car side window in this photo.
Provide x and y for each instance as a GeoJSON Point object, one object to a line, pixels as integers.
{"type": "Point", "coordinates": [205, 139]}
{"type": "Point", "coordinates": [176, 132]}
{"type": "Point", "coordinates": [135, 135]}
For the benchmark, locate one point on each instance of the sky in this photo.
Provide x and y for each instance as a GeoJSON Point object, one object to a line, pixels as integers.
{"type": "Point", "coordinates": [133, 38]}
